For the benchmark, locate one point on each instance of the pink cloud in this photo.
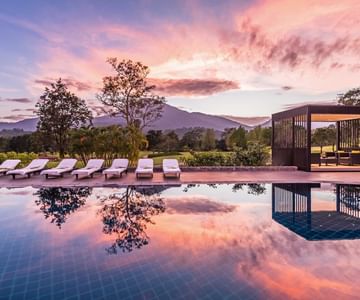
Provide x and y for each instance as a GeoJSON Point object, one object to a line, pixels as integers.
{"type": "Point", "coordinates": [275, 41]}
{"type": "Point", "coordinates": [192, 87]}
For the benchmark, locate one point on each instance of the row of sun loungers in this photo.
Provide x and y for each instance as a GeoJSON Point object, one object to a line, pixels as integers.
{"type": "Point", "coordinates": [145, 168]}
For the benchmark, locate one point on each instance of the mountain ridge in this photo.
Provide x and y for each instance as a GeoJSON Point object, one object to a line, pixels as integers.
{"type": "Point", "coordinates": [172, 118]}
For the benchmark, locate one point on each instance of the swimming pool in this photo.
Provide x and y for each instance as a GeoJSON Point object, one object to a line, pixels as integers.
{"type": "Point", "coordinates": [237, 241]}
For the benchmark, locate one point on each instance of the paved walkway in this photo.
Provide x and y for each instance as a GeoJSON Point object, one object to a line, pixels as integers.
{"type": "Point", "coordinates": [190, 177]}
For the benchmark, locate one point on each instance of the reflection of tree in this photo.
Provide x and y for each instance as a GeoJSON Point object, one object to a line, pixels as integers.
{"type": "Point", "coordinates": [57, 203]}
{"type": "Point", "coordinates": [252, 188]}
{"type": "Point", "coordinates": [127, 215]}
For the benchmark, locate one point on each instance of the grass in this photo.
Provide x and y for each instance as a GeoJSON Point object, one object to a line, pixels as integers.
{"type": "Point", "coordinates": [158, 160]}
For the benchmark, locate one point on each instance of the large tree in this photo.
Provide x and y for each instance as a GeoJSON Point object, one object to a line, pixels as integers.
{"type": "Point", "coordinates": [59, 111]}
{"type": "Point", "coordinates": [129, 95]}
{"type": "Point", "coordinates": [351, 97]}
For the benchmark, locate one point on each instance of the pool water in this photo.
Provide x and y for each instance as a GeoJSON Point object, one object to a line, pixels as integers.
{"type": "Point", "coordinates": [280, 241]}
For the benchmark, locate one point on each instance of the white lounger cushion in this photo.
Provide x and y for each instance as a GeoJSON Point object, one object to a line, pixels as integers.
{"type": "Point", "coordinates": [92, 166]}
{"type": "Point", "coordinates": [171, 166]}
{"type": "Point", "coordinates": [118, 166]}
{"type": "Point", "coordinates": [145, 166]}
{"type": "Point", "coordinates": [34, 166]}
{"type": "Point", "coordinates": [66, 165]}
{"type": "Point", "coordinates": [9, 164]}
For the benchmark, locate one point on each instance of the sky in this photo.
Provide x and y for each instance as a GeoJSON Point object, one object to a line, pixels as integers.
{"type": "Point", "coordinates": [240, 58]}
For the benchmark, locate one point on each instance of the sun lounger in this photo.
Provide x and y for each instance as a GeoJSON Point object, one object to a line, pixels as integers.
{"type": "Point", "coordinates": [36, 166]}
{"type": "Point", "coordinates": [65, 166]}
{"type": "Point", "coordinates": [171, 167]}
{"type": "Point", "coordinates": [92, 166]}
{"type": "Point", "coordinates": [117, 168]}
{"type": "Point", "coordinates": [8, 165]}
{"type": "Point", "coordinates": [145, 168]}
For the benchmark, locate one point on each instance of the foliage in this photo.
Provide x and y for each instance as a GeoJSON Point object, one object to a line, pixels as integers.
{"type": "Point", "coordinates": [127, 214]}
{"type": "Point", "coordinates": [128, 94]}
{"type": "Point", "coordinates": [192, 139]}
{"type": "Point", "coordinates": [57, 203]}
{"type": "Point", "coordinates": [351, 97]}
{"type": "Point", "coordinates": [255, 154]}
{"type": "Point", "coordinates": [25, 157]}
{"type": "Point", "coordinates": [324, 136]}
{"type": "Point", "coordinates": [59, 111]}
{"type": "Point", "coordinates": [162, 154]}
{"type": "Point", "coordinates": [235, 138]}
{"type": "Point", "coordinates": [260, 135]}
{"type": "Point", "coordinates": [209, 159]}
{"type": "Point", "coordinates": [154, 138]}
{"type": "Point", "coordinates": [252, 188]}
{"type": "Point", "coordinates": [107, 143]}
{"type": "Point", "coordinates": [208, 140]}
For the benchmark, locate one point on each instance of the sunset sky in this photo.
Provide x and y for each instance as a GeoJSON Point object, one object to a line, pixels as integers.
{"type": "Point", "coordinates": [244, 58]}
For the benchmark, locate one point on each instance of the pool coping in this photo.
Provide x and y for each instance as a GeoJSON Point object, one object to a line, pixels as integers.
{"type": "Point", "coordinates": [198, 177]}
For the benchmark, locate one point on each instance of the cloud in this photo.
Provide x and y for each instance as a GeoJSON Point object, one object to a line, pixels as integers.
{"type": "Point", "coordinates": [192, 87]}
{"type": "Point", "coordinates": [72, 83]}
{"type": "Point", "coordinates": [19, 100]}
{"type": "Point", "coordinates": [18, 117]}
{"type": "Point", "coordinates": [26, 110]}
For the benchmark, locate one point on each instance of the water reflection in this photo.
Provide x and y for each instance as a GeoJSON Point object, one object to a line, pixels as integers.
{"type": "Point", "coordinates": [127, 214]}
{"type": "Point", "coordinates": [58, 203]}
{"type": "Point", "coordinates": [292, 208]}
{"type": "Point", "coordinates": [252, 188]}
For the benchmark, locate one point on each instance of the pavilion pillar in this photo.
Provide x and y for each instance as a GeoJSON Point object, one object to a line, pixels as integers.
{"type": "Point", "coordinates": [308, 139]}
{"type": "Point", "coordinates": [337, 136]}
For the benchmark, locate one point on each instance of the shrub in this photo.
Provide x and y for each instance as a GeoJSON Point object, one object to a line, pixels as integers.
{"type": "Point", "coordinates": [208, 159]}
{"type": "Point", "coordinates": [25, 157]}
{"type": "Point", "coordinates": [161, 154]}
{"type": "Point", "coordinates": [254, 155]}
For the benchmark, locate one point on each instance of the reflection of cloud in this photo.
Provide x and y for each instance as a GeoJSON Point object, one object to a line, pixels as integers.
{"type": "Point", "coordinates": [193, 87]}
{"type": "Point", "coordinates": [196, 205]}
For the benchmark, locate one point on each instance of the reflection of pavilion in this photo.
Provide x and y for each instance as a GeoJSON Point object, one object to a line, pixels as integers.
{"type": "Point", "coordinates": [291, 207]}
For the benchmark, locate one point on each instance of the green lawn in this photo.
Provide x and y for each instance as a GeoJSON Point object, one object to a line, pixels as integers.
{"type": "Point", "coordinates": [158, 160]}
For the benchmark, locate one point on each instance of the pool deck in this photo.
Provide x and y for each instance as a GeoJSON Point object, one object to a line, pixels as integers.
{"type": "Point", "coordinates": [256, 176]}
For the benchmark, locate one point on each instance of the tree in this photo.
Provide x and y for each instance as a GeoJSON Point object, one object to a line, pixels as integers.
{"type": "Point", "coordinates": [236, 138]}
{"type": "Point", "coordinates": [59, 111]}
{"type": "Point", "coordinates": [208, 140]}
{"type": "Point", "coordinates": [128, 94]}
{"type": "Point", "coordinates": [58, 203]}
{"type": "Point", "coordinates": [170, 142]}
{"type": "Point", "coordinates": [107, 143]}
{"type": "Point", "coordinates": [127, 215]}
{"type": "Point", "coordinates": [154, 138]}
{"type": "Point", "coordinates": [260, 135]}
{"type": "Point", "coordinates": [351, 97]}
{"type": "Point", "coordinates": [331, 133]}
{"type": "Point", "coordinates": [192, 139]}
{"type": "Point", "coordinates": [320, 138]}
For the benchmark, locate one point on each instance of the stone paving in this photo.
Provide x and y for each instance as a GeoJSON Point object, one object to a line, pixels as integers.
{"type": "Point", "coordinates": [258, 176]}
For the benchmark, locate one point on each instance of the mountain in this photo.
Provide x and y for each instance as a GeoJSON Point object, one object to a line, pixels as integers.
{"type": "Point", "coordinates": [26, 125]}
{"type": "Point", "coordinates": [249, 121]}
{"type": "Point", "coordinates": [172, 118]}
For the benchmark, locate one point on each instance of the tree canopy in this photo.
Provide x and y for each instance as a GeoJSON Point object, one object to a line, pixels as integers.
{"type": "Point", "coordinates": [128, 95]}
{"type": "Point", "coordinates": [60, 110]}
{"type": "Point", "coordinates": [351, 97]}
